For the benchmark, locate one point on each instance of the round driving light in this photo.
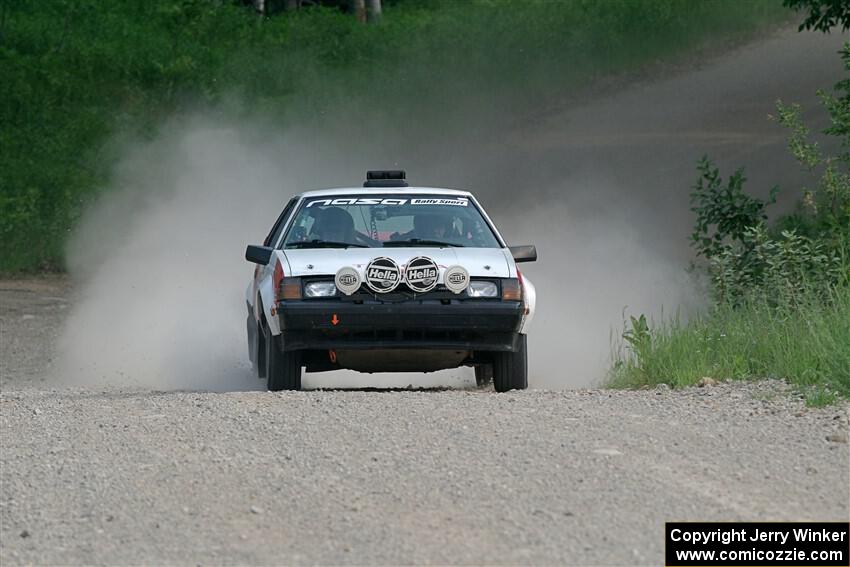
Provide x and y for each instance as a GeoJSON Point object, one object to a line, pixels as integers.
{"type": "Point", "coordinates": [347, 280]}
{"type": "Point", "coordinates": [421, 274]}
{"type": "Point", "coordinates": [456, 279]}
{"type": "Point", "coordinates": [383, 275]}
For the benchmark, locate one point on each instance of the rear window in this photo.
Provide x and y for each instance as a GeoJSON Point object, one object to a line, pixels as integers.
{"type": "Point", "coordinates": [390, 221]}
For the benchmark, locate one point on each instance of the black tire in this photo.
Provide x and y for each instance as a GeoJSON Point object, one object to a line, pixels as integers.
{"type": "Point", "coordinates": [483, 374]}
{"type": "Point", "coordinates": [283, 368]}
{"type": "Point", "coordinates": [510, 369]}
{"type": "Point", "coordinates": [261, 353]}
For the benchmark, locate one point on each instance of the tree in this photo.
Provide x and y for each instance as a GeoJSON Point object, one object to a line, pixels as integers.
{"type": "Point", "coordinates": [823, 14]}
{"type": "Point", "coordinates": [374, 11]}
{"type": "Point", "coordinates": [359, 7]}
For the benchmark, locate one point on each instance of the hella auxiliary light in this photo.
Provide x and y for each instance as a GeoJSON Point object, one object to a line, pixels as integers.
{"type": "Point", "coordinates": [320, 289]}
{"type": "Point", "coordinates": [482, 289]}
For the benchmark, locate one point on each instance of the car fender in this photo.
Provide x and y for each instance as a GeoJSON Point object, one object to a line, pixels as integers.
{"type": "Point", "coordinates": [249, 296]}
{"type": "Point", "coordinates": [529, 294]}
{"type": "Point", "coordinates": [267, 301]}
{"type": "Point", "coordinates": [266, 293]}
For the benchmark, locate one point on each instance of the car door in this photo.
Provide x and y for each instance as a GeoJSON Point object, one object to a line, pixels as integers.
{"type": "Point", "coordinates": [271, 239]}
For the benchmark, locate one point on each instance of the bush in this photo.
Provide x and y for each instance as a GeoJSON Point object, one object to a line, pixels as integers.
{"type": "Point", "coordinates": [747, 259]}
{"type": "Point", "coordinates": [784, 269]}
{"type": "Point", "coordinates": [724, 213]}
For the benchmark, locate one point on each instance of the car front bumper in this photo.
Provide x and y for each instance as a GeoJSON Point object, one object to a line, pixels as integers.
{"type": "Point", "coordinates": [483, 325]}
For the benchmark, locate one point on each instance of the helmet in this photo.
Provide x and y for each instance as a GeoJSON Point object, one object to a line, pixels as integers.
{"type": "Point", "coordinates": [335, 224]}
{"type": "Point", "coordinates": [430, 225]}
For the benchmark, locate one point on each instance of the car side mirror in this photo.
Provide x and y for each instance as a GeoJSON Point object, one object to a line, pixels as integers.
{"type": "Point", "coordinates": [258, 254]}
{"type": "Point", "coordinates": [525, 253]}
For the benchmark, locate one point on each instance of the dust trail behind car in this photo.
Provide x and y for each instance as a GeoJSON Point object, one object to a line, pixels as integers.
{"type": "Point", "coordinates": [600, 188]}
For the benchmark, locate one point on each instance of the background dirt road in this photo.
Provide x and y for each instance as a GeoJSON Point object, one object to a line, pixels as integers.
{"type": "Point", "coordinates": [123, 474]}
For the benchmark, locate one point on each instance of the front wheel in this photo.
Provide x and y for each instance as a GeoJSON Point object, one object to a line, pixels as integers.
{"type": "Point", "coordinates": [282, 368]}
{"type": "Point", "coordinates": [510, 369]}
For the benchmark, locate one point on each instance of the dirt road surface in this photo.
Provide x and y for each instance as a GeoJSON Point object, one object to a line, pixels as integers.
{"type": "Point", "coordinates": [124, 475]}
{"type": "Point", "coordinates": [117, 476]}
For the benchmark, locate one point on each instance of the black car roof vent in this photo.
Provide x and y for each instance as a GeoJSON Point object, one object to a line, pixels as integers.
{"type": "Point", "coordinates": [381, 178]}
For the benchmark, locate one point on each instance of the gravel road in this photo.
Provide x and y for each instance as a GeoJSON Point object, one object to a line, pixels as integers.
{"type": "Point", "coordinates": [117, 476]}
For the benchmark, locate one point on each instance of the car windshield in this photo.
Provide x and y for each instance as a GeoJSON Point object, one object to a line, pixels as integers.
{"type": "Point", "coordinates": [391, 221]}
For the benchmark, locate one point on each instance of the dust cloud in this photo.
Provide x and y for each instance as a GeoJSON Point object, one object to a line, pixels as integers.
{"type": "Point", "coordinates": [601, 188]}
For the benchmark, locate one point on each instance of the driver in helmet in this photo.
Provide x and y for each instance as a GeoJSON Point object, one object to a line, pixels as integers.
{"type": "Point", "coordinates": [430, 226]}
{"type": "Point", "coordinates": [427, 226]}
{"type": "Point", "coordinates": [335, 225]}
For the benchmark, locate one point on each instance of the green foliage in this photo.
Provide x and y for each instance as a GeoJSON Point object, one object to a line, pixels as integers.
{"type": "Point", "coordinates": [819, 397]}
{"type": "Point", "coordinates": [74, 71]}
{"type": "Point", "coordinates": [807, 344]}
{"type": "Point", "coordinates": [76, 74]}
{"type": "Point", "coordinates": [782, 269]}
{"type": "Point", "coordinates": [747, 259]}
{"type": "Point", "coordinates": [638, 337]}
{"type": "Point", "coordinates": [827, 206]}
{"type": "Point", "coordinates": [838, 105]}
{"type": "Point", "coordinates": [724, 212]}
{"type": "Point", "coordinates": [804, 252]}
{"type": "Point", "coordinates": [823, 14]}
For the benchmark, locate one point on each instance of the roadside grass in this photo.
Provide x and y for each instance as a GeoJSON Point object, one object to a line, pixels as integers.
{"type": "Point", "coordinates": [806, 344]}
{"type": "Point", "coordinates": [77, 75]}
{"type": "Point", "coordinates": [820, 397]}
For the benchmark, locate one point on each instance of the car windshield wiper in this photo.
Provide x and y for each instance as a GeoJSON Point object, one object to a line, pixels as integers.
{"type": "Point", "coordinates": [316, 243]}
{"type": "Point", "coordinates": [420, 242]}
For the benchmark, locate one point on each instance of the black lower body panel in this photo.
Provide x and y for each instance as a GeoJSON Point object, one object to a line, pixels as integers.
{"type": "Point", "coordinates": [461, 325]}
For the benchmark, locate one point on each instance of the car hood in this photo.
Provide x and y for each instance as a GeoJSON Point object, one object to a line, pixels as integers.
{"type": "Point", "coordinates": [479, 262]}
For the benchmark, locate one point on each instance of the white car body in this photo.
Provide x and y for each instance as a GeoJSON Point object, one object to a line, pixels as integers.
{"type": "Point", "coordinates": [266, 309]}
{"type": "Point", "coordinates": [489, 262]}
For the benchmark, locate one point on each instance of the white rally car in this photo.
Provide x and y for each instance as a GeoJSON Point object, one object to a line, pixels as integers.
{"type": "Point", "coordinates": [388, 278]}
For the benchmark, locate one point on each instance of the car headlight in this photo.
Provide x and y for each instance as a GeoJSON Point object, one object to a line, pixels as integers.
{"type": "Point", "coordinates": [320, 289]}
{"type": "Point", "coordinates": [482, 289]}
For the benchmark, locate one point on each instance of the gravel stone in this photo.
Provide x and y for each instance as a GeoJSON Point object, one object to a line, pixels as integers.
{"type": "Point", "coordinates": [840, 437]}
